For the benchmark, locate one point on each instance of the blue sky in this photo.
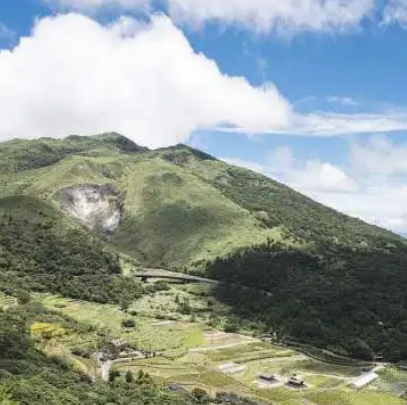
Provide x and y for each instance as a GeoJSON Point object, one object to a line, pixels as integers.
{"type": "Point", "coordinates": [309, 92]}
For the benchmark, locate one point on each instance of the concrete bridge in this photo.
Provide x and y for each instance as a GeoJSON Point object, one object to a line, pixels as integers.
{"type": "Point", "coordinates": [159, 274]}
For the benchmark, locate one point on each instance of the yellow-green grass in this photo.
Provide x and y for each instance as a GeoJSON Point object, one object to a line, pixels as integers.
{"type": "Point", "coordinates": [317, 367]}
{"type": "Point", "coordinates": [353, 398]}
{"type": "Point", "coordinates": [195, 220]}
{"type": "Point", "coordinates": [328, 383]}
{"type": "Point", "coordinates": [248, 352]}
{"type": "Point", "coordinates": [147, 335]}
{"type": "Point", "coordinates": [6, 301]}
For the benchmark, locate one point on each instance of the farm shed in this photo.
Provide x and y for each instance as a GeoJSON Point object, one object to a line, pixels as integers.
{"type": "Point", "coordinates": [364, 380]}
{"type": "Point", "coordinates": [296, 381]}
{"type": "Point", "coordinates": [267, 377]}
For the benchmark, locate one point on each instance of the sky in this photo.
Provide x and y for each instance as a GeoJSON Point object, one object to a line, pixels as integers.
{"type": "Point", "coordinates": [311, 93]}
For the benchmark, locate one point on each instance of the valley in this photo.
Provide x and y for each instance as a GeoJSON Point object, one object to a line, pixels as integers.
{"type": "Point", "coordinates": [181, 350]}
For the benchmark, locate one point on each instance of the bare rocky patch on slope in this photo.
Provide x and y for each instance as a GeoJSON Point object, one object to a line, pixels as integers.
{"type": "Point", "coordinates": [97, 207]}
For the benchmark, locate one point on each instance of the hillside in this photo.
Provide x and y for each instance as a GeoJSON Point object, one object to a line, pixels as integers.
{"type": "Point", "coordinates": [335, 281]}
{"type": "Point", "coordinates": [28, 377]}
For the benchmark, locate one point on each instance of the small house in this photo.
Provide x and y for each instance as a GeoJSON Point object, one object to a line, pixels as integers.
{"type": "Point", "coordinates": [119, 344]}
{"type": "Point", "coordinates": [267, 377]}
{"type": "Point", "coordinates": [296, 381]}
{"type": "Point", "coordinates": [114, 347]}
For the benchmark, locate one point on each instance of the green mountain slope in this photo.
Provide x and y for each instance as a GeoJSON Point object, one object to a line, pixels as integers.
{"type": "Point", "coordinates": [28, 377]}
{"type": "Point", "coordinates": [335, 281]}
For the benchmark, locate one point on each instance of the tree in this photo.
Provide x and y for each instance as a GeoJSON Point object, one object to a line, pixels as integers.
{"type": "Point", "coordinates": [128, 323]}
{"type": "Point", "coordinates": [231, 327]}
{"type": "Point", "coordinates": [129, 377]}
{"type": "Point", "coordinates": [113, 374]}
{"type": "Point", "coordinates": [23, 297]}
{"type": "Point", "coordinates": [200, 396]}
{"type": "Point", "coordinates": [124, 305]}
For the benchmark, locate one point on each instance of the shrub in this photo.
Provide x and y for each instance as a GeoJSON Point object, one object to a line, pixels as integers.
{"type": "Point", "coordinates": [128, 323]}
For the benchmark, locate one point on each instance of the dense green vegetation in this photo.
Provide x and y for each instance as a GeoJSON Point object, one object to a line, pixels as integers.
{"type": "Point", "coordinates": [28, 377]}
{"type": "Point", "coordinates": [316, 299]}
{"type": "Point", "coordinates": [316, 276]}
{"type": "Point", "coordinates": [41, 251]}
{"type": "Point", "coordinates": [20, 155]}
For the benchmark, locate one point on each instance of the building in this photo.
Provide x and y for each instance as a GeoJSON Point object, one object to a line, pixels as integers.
{"type": "Point", "coordinates": [267, 377]}
{"type": "Point", "coordinates": [119, 344]}
{"type": "Point", "coordinates": [296, 381]}
{"type": "Point", "coordinates": [113, 348]}
{"type": "Point", "coordinates": [364, 380]}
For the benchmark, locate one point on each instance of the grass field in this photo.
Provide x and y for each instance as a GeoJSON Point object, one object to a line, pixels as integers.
{"type": "Point", "coordinates": [192, 353]}
{"type": "Point", "coordinates": [149, 333]}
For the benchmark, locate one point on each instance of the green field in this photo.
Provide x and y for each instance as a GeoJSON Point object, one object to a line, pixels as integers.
{"type": "Point", "coordinates": [175, 362]}
{"type": "Point", "coordinates": [149, 333]}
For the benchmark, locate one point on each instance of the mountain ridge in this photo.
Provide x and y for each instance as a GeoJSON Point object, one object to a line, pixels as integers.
{"type": "Point", "coordinates": [188, 211]}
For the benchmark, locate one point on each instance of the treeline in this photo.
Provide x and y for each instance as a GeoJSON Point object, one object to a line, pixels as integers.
{"type": "Point", "coordinates": [349, 301]}
{"type": "Point", "coordinates": [40, 252]}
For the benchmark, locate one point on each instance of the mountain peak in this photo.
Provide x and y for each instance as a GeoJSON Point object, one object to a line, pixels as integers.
{"type": "Point", "coordinates": [123, 143]}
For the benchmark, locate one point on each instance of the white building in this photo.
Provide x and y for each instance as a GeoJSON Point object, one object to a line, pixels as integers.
{"type": "Point", "coordinates": [364, 380]}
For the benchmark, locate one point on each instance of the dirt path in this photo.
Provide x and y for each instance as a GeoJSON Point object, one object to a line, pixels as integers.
{"type": "Point", "coordinates": [107, 365]}
{"type": "Point", "coordinates": [225, 346]}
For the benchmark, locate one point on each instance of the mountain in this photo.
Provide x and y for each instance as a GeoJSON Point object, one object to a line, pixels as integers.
{"type": "Point", "coordinates": [69, 208]}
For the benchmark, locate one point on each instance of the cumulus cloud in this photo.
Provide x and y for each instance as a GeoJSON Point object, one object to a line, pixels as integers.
{"type": "Point", "coordinates": [345, 101]}
{"type": "Point", "coordinates": [306, 175]}
{"type": "Point", "coordinates": [396, 12]}
{"type": "Point", "coordinates": [334, 187]}
{"type": "Point", "coordinates": [379, 156]}
{"type": "Point", "coordinates": [384, 205]}
{"type": "Point", "coordinates": [371, 186]}
{"type": "Point", "coordinates": [73, 75]}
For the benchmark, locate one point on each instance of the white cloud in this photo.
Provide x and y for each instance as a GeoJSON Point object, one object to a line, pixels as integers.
{"type": "Point", "coordinates": [329, 124]}
{"type": "Point", "coordinates": [345, 101]}
{"type": "Point", "coordinates": [379, 156]}
{"type": "Point", "coordinates": [373, 191]}
{"type": "Point", "coordinates": [288, 16]}
{"type": "Point", "coordinates": [396, 12]}
{"type": "Point", "coordinates": [74, 75]}
{"type": "Point", "coordinates": [92, 5]}
{"type": "Point", "coordinates": [277, 15]}
{"type": "Point", "coordinates": [320, 176]}
{"type": "Point", "coordinates": [333, 124]}
{"type": "Point", "coordinates": [306, 176]}
{"type": "Point", "coordinates": [282, 158]}
{"type": "Point", "coordinates": [384, 206]}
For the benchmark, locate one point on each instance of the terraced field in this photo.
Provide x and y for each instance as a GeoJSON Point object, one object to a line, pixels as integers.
{"type": "Point", "coordinates": [192, 354]}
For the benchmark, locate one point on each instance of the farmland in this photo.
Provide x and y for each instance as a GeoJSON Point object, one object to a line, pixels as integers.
{"type": "Point", "coordinates": [189, 352]}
